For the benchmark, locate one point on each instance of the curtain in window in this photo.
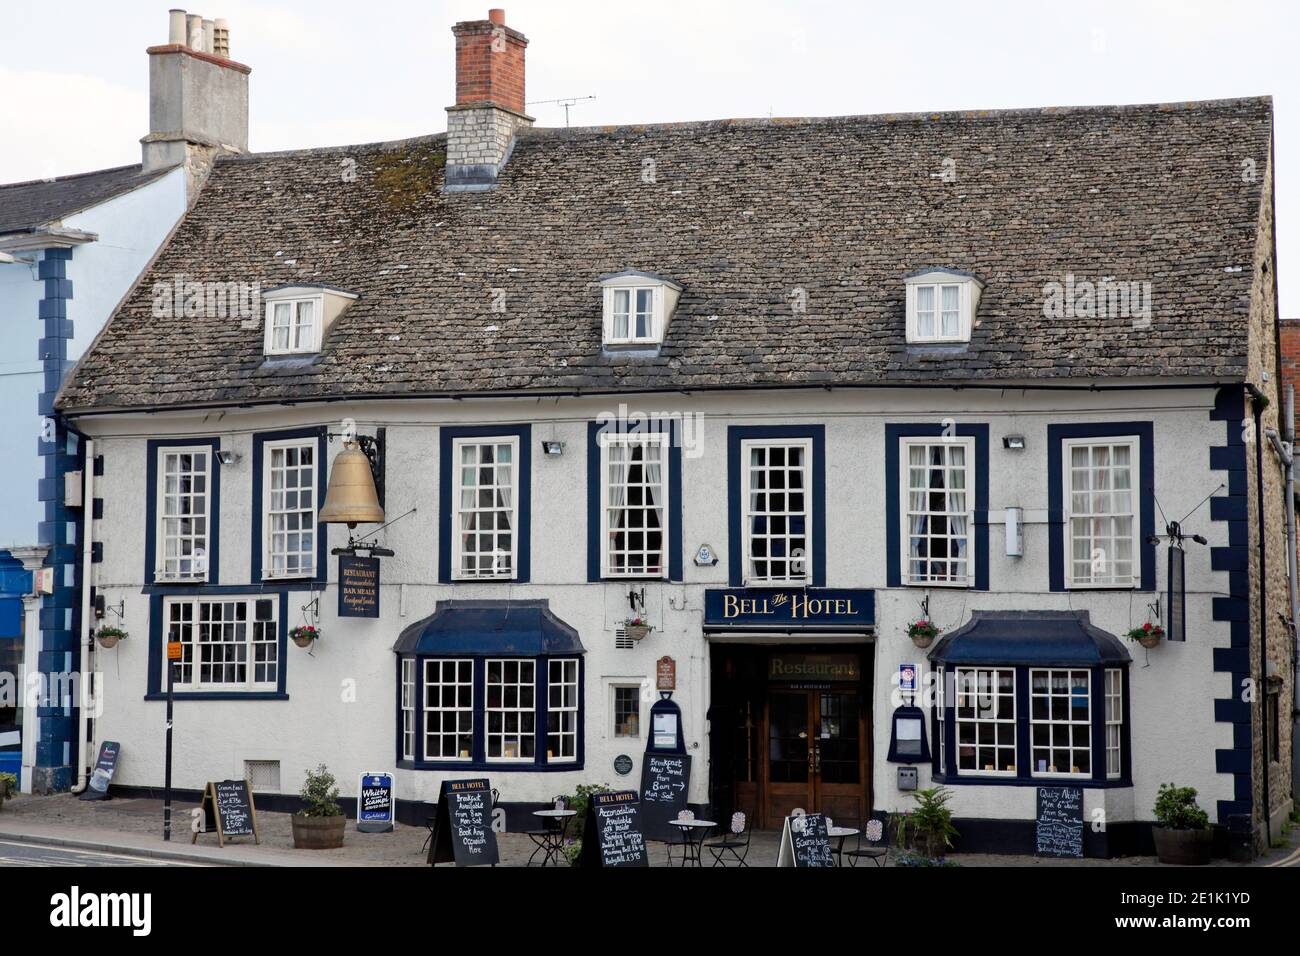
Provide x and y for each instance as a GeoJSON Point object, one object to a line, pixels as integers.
{"type": "Point", "coordinates": [950, 299]}
{"type": "Point", "coordinates": [617, 455]}
{"type": "Point", "coordinates": [925, 310]}
{"type": "Point", "coordinates": [958, 568]}
{"type": "Point", "coordinates": [918, 506]}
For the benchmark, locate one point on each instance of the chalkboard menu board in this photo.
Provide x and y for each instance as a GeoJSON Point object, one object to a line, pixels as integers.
{"type": "Point", "coordinates": [228, 809]}
{"type": "Point", "coordinates": [358, 586]}
{"type": "Point", "coordinates": [462, 829]}
{"type": "Point", "coordinates": [97, 789]}
{"type": "Point", "coordinates": [806, 842]}
{"type": "Point", "coordinates": [664, 780]}
{"type": "Point", "coordinates": [1059, 824]}
{"type": "Point", "coordinates": [612, 833]}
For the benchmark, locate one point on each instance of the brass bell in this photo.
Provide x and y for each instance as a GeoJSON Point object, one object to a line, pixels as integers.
{"type": "Point", "coordinates": [351, 498]}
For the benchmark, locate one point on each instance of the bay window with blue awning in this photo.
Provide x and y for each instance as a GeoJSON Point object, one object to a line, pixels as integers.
{"type": "Point", "coordinates": [1031, 698]}
{"type": "Point", "coordinates": [490, 684]}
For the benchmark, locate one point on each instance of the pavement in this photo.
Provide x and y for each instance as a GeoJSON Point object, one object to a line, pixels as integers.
{"type": "Point", "coordinates": [62, 830]}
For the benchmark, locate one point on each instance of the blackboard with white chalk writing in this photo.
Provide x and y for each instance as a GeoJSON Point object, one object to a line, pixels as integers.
{"type": "Point", "coordinates": [358, 586]}
{"type": "Point", "coordinates": [664, 781]}
{"type": "Point", "coordinates": [612, 833]}
{"type": "Point", "coordinates": [1059, 823]}
{"type": "Point", "coordinates": [462, 828]}
{"type": "Point", "coordinates": [228, 811]}
{"type": "Point", "coordinates": [806, 842]}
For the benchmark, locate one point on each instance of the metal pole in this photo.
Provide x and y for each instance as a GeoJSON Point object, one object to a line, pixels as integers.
{"type": "Point", "coordinates": [167, 773]}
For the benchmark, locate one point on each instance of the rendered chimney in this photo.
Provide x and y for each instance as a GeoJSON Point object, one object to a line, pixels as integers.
{"type": "Point", "coordinates": [489, 106]}
{"type": "Point", "coordinates": [198, 99]}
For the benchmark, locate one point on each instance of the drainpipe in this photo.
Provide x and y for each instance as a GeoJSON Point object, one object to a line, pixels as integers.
{"type": "Point", "coordinates": [1295, 586]}
{"type": "Point", "coordinates": [1258, 401]}
{"type": "Point", "coordinates": [81, 754]}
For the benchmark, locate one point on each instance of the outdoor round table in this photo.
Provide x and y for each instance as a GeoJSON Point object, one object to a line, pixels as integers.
{"type": "Point", "coordinates": [691, 843]}
{"type": "Point", "coordinates": [842, 834]}
{"type": "Point", "coordinates": [550, 842]}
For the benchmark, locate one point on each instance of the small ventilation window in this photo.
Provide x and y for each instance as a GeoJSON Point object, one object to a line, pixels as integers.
{"type": "Point", "coordinates": [263, 775]}
{"type": "Point", "coordinates": [621, 641]}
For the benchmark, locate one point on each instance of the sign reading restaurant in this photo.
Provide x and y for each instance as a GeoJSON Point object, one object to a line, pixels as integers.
{"type": "Point", "coordinates": [790, 608]}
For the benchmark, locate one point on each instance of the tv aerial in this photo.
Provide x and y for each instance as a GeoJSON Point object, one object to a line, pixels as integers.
{"type": "Point", "coordinates": [567, 102]}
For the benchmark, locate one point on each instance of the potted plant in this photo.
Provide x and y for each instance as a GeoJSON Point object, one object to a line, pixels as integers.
{"type": "Point", "coordinates": [1148, 635]}
{"type": "Point", "coordinates": [926, 831]}
{"type": "Point", "coordinates": [304, 635]}
{"type": "Point", "coordinates": [579, 802]}
{"type": "Point", "coordinates": [319, 825]}
{"type": "Point", "coordinates": [8, 787]}
{"type": "Point", "coordinates": [922, 632]}
{"type": "Point", "coordinates": [636, 628]}
{"type": "Point", "coordinates": [108, 636]}
{"type": "Point", "coordinates": [1183, 836]}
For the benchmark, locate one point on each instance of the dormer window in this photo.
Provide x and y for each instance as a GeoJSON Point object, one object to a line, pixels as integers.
{"type": "Point", "coordinates": [941, 305]}
{"type": "Point", "coordinates": [638, 306]}
{"type": "Point", "coordinates": [297, 317]}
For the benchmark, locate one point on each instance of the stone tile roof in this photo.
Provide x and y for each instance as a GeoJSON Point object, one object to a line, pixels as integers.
{"type": "Point", "coordinates": [27, 206]}
{"type": "Point", "coordinates": [741, 213]}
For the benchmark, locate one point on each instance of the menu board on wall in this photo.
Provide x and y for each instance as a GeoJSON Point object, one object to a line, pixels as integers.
{"type": "Point", "coordinates": [462, 828]}
{"type": "Point", "coordinates": [664, 780]}
{"type": "Point", "coordinates": [612, 834]}
{"type": "Point", "coordinates": [1059, 822]}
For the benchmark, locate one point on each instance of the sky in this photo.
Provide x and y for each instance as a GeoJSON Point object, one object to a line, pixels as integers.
{"type": "Point", "coordinates": [74, 75]}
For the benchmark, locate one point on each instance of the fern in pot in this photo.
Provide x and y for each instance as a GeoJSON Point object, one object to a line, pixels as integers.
{"type": "Point", "coordinates": [320, 823]}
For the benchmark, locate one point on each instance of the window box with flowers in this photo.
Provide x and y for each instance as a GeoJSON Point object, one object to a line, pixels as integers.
{"type": "Point", "coordinates": [305, 635]}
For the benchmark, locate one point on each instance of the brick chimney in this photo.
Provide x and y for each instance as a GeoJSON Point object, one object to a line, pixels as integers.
{"type": "Point", "coordinates": [198, 98]}
{"type": "Point", "coordinates": [489, 101]}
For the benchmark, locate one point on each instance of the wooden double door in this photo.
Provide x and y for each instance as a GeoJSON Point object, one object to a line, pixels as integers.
{"type": "Point", "coordinates": [816, 754]}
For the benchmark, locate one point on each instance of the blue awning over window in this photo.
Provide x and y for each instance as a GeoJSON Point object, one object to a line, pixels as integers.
{"type": "Point", "coordinates": [488, 629]}
{"type": "Point", "coordinates": [1041, 638]}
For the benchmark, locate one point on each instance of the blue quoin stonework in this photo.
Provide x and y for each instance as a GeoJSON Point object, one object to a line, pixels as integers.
{"type": "Point", "coordinates": [1229, 408]}
{"type": "Point", "coordinates": [60, 531]}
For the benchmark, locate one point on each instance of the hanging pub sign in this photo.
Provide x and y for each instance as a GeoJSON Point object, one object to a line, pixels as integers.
{"type": "Point", "coordinates": [1177, 600]}
{"type": "Point", "coordinates": [806, 842]}
{"type": "Point", "coordinates": [358, 586]}
{"type": "Point", "coordinates": [229, 811]}
{"type": "Point", "coordinates": [375, 803]}
{"type": "Point", "coordinates": [664, 780]}
{"type": "Point", "coordinates": [1058, 825]}
{"type": "Point", "coordinates": [614, 819]}
{"type": "Point", "coordinates": [97, 788]}
{"type": "Point", "coordinates": [462, 826]}
{"type": "Point", "coordinates": [784, 609]}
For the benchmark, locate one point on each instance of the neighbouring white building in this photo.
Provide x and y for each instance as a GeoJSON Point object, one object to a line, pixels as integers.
{"type": "Point", "coordinates": [778, 390]}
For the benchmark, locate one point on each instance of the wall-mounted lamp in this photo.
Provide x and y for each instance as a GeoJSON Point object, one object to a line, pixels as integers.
{"type": "Point", "coordinates": [552, 448]}
{"type": "Point", "coordinates": [1014, 442]}
{"type": "Point", "coordinates": [227, 457]}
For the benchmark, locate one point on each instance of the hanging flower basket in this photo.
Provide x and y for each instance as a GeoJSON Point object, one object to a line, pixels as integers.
{"type": "Point", "coordinates": [1148, 635]}
{"type": "Point", "coordinates": [108, 636]}
{"type": "Point", "coordinates": [305, 635]}
{"type": "Point", "coordinates": [922, 632]}
{"type": "Point", "coordinates": [636, 628]}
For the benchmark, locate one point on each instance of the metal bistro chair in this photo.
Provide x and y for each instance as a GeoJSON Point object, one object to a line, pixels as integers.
{"type": "Point", "coordinates": [734, 843]}
{"type": "Point", "coordinates": [548, 840]}
{"type": "Point", "coordinates": [873, 844]}
{"type": "Point", "coordinates": [431, 822]}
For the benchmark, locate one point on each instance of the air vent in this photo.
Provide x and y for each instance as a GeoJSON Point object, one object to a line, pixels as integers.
{"type": "Point", "coordinates": [622, 641]}
{"type": "Point", "coordinates": [263, 775]}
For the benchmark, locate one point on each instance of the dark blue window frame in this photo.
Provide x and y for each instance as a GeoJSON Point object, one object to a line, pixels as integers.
{"type": "Point", "coordinates": [447, 486]}
{"type": "Point", "coordinates": [478, 751]}
{"type": "Point", "coordinates": [1056, 435]}
{"type": "Point", "coordinates": [673, 513]}
{"type": "Point", "coordinates": [736, 435]}
{"type": "Point", "coordinates": [894, 502]}
{"type": "Point", "coordinates": [152, 449]}
{"type": "Point", "coordinates": [157, 686]}
{"type": "Point", "coordinates": [318, 579]}
{"type": "Point", "coordinates": [946, 723]}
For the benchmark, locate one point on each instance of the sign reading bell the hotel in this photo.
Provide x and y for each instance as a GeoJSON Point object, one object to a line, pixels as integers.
{"type": "Point", "coordinates": [790, 608]}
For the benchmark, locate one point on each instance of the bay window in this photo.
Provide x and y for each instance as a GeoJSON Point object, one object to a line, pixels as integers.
{"type": "Point", "coordinates": [511, 709]}
{"type": "Point", "coordinates": [1060, 718]}
{"type": "Point", "coordinates": [562, 711]}
{"type": "Point", "coordinates": [448, 709]}
{"type": "Point", "coordinates": [986, 720]}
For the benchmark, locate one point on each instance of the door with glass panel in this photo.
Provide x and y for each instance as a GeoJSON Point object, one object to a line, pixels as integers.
{"type": "Point", "coordinates": [816, 754]}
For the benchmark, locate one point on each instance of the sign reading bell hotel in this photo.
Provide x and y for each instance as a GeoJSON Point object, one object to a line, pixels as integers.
{"type": "Point", "coordinates": [786, 609]}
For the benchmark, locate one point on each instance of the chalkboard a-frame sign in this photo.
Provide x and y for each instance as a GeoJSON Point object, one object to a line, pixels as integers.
{"type": "Point", "coordinates": [1058, 826]}
{"type": "Point", "coordinates": [228, 809]}
{"type": "Point", "coordinates": [806, 842]}
{"type": "Point", "coordinates": [612, 834]}
{"type": "Point", "coordinates": [462, 827]}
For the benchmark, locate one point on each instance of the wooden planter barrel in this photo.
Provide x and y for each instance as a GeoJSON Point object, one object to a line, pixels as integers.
{"type": "Point", "coordinates": [1183, 847]}
{"type": "Point", "coordinates": [318, 833]}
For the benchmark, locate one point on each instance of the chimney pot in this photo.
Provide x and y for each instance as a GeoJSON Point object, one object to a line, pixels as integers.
{"type": "Point", "coordinates": [176, 27]}
{"type": "Point", "coordinates": [497, 16]}
{"type": "Point", "coordinates": [209, 36]}
{"type": "Point", "coordinates": [194, 32]}
{"type": "Point", "coordinates": [221, 38]}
